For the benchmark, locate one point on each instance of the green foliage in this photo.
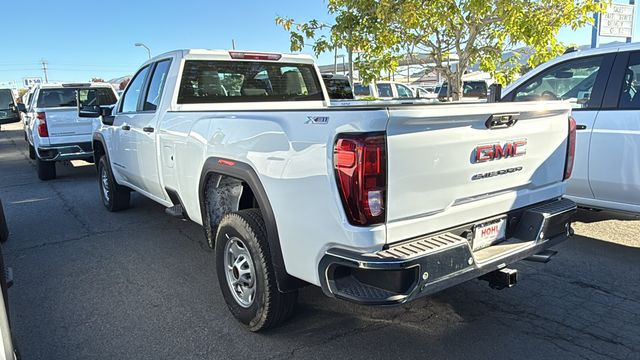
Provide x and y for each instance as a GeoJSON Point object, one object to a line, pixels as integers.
{"type": "Point", "coordinates": [477, 31]}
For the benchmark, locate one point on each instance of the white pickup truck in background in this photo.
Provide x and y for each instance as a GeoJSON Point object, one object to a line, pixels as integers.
{"type": "Point", "coordinates": [377, 204]}
{"type": "Point", "coordinates": [54, 131]}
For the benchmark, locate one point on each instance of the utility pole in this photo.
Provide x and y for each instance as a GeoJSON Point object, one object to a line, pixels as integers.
{"type": "Point", "coordinates": [631, 2]}
{"type": "Point", "coordinates": [594, 31]}
{"type": "Point", "coordinates": [44, 69]}
{"type": "Point", "coordinates": [335, 60]}
{"type": "Point", "coordinates": [233, 44]}
{"type": "Point", "coordinates": [350, 55]}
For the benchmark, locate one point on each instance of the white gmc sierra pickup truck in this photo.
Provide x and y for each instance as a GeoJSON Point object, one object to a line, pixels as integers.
{"type": "Point", "coordinates": [375, 204]}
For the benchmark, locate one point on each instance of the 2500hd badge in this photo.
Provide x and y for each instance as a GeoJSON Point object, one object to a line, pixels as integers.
{"type": "Point", "coordinates": [496, 173]}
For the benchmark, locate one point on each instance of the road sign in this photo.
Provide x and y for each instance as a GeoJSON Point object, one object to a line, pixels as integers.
{"type": "Point", "coordinates": [29, 82]}
{"type": "Point", "coordinates": [617, 21]}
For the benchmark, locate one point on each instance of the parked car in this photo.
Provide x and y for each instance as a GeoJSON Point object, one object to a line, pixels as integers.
{"type": "Point", "coordinates": [602, 86]}
{"type": "Point", "coordinates": [9, 111]}
{"type": "Point", "coordinates": [386, 90]}
{"type": "Point", "coordinates": [55, 132]}
{"type": "Point", "coordinates": [377, 205]}
{"type": "Point", "coordinates": [338, 86]}
{"type": "Point", "coordinates": [424, 93]}
{"type": "Point", "coordinates": [471, 90]}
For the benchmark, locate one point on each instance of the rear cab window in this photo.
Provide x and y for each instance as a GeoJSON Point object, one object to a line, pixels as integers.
{"type": "Point", "coordinates": [66, 97]}
{"type": "Point", "coordinates": [361, 90]}
{"type": "Point", "coordinates": [224, 81]}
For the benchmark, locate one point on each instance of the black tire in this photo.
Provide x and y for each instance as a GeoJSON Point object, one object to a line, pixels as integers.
{"type": "Point", "coordinates": [46, 169]}
{"type": "Point", "coordinates": [269, 307]}
{"type": "Point", "coordinates": [4, 228]}
{"type": "Point", "coordinates": [32, 152]}
{"type": "Point", "coordinates": [114, 197]}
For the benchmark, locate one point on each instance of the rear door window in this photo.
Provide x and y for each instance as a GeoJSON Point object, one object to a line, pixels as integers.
{"type": "Point", "coordinates": [156, 85]}
{"type": "Point", "coordinates": [630, 92]}
{"type": "Point", "coordinates": [209, 82]}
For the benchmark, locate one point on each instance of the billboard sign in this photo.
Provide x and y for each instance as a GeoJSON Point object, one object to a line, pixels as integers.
{"type": "Point", "coordinates": [31, 81]}
{"type": "Point", "coordinates": [617, 21]}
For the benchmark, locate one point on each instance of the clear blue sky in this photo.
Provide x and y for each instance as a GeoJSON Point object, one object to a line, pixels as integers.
{"type": "Point", "coordinates": [84, 39]}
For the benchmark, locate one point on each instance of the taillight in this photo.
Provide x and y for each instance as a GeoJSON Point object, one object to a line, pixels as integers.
{"type": "Point", "coordinates": [571, 149]}
{"type": "Point", "coordinates": [42, 124]}
{"type": "Point", "coordinates": [360, 163]}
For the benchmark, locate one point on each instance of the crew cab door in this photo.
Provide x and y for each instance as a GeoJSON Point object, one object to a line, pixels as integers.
{"type": "Point", "coordinates": [614, 156]}
{"type": "Point", "coordinates": [581, 81]}
{"type": "Point", "coordinates": [137, 158]}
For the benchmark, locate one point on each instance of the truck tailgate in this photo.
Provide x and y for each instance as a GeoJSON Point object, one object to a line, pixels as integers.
{"type": "Point", "coordinates": [448, 167]}
{"type": "Point", "coordinates": [64, 121]}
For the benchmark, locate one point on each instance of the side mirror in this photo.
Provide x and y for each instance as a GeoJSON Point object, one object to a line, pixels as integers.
{"type": "Point", "coordinates": [22, 107]}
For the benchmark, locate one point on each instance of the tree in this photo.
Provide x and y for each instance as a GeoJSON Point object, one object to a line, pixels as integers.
{"type": "Point", "coordinates": [95, 79]}
{"type": "Point", "coordinates": [465, 32]}
{"type": "Point", "coordinates": [123, 84]}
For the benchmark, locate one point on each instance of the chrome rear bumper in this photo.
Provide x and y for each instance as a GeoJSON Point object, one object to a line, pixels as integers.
{"type": "Point", "coordinates": [428, 264]}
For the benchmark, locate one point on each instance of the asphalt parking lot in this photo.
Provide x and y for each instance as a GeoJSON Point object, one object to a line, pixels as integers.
{"type": "Point", "coordinates": [139, 284]}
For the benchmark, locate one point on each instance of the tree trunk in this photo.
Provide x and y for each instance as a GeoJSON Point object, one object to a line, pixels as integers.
{"type": "Point", "coordinates": [456, 85]}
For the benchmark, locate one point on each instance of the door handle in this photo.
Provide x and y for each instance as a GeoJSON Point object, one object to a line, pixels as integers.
{"type": "Point", "coordinates": [148, 129]}
{"type": "Point", "coordinates": [581, 127]}
{"type": "Point", "coordinates": [126, 127]}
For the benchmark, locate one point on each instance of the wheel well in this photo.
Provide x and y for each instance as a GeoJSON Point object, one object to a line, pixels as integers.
{"type": "Point", "coordinates": [98, 152]}
{"type": "Point", "coordinates": [227, 194]}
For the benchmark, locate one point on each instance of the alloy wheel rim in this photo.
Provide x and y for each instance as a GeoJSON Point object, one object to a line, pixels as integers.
{"type": "Point", "coordinates": [105, 185]}
{"type": "Point", "coordinates": [240, 272]}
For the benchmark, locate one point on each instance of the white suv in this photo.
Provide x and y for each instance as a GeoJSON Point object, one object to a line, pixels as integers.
{"type": "Point", "coordinates": [603, 87]}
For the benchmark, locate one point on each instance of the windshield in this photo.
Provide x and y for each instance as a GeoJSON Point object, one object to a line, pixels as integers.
{"type": "Point", "coordinates": [338, 88]}
{"type": "Point", "coordinates": [6, 99]}
{"type": "Point", "coordinates": [66, 97]}
{"type": "Point", "coordinates": [247, 81]}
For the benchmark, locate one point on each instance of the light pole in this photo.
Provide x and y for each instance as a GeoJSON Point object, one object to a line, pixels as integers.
{"type": "Point", "coordinates": [144, 46]}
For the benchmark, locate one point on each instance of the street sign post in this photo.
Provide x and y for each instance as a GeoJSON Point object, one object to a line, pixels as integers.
{"type": "Point", "coordinates": [618, 21]}
{"type": "Point", "coordinates": [31, 81]}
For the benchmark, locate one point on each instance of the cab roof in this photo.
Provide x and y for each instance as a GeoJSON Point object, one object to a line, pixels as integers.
{"type": "Point", "coordinates": [240, 55]}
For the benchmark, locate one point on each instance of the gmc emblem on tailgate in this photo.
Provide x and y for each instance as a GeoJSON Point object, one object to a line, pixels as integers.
{"type": "Point", "coordinates": [498, 151]}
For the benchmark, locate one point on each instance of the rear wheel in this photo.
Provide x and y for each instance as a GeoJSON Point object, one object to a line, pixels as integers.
{"type": "Point", "coordinates": [246, 275]}
{"type": "Point", "coordinates": [114, 197]}
{"type": "Point", "coordinates": [46, 169]}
